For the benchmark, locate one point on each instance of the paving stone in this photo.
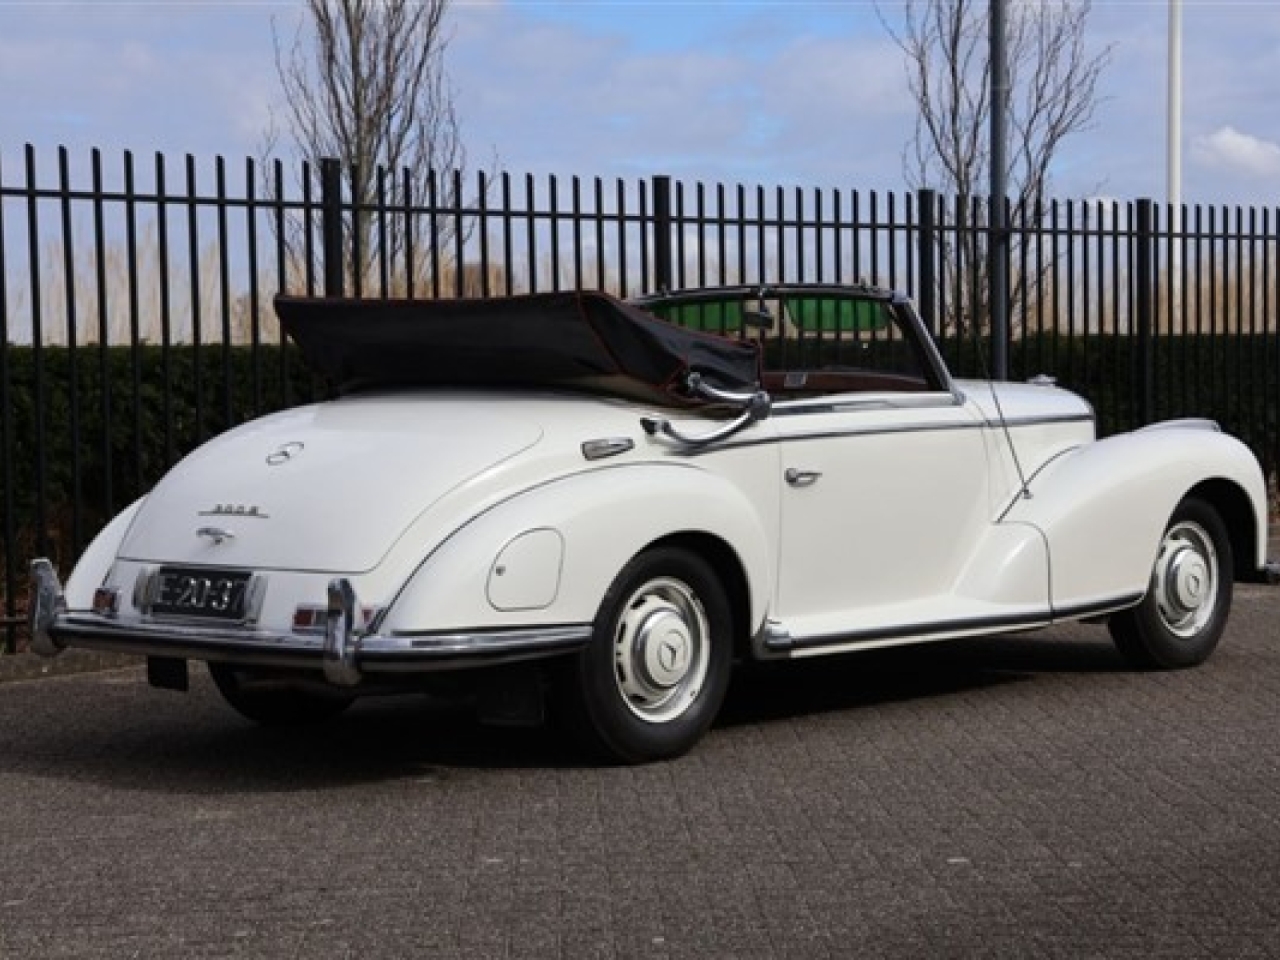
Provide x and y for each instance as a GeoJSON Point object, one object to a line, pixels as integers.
{"type": "Point", "coordinates": [1024, 797]}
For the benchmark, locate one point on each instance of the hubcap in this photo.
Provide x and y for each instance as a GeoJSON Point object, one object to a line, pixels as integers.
{"type": "Point", "coordinates": [664, 649]}
{"type": "Point", "coordinates": [660, 650]}
{"type": "Point", "coordinates": [1185, 580]}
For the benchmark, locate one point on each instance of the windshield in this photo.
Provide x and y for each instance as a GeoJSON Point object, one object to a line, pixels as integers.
{"type": "Point", "coordinates": [808, 331]}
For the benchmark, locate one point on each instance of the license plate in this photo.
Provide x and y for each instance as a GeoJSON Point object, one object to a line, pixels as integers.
{"type": "Point", "coordinates": [200, 592]}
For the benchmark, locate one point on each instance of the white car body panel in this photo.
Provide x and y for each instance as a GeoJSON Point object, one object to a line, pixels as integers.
{"type": "Point", "coordinates": [908, 523]}
{"type": "Point", "coordinates": [412, 531]}
{"type": "Point", "coordinates": [290, 474]}
{"type": "Point", "coordinates": [1137, 480]}
{"type": "Point", "coordinates": [600, 534]}
{"type": "Point", "coordinates": [888, 519]}
{"type": "Point", "coordinates": [95, 566]}
{"type": "Point", "coordinates": [891, 531]}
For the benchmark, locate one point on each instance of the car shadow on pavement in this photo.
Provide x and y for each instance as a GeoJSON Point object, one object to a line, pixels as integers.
{"type": "Point", "coordinates": [124, 736]}
{"type": "Point", "coordinates": [794, 688]}
{"type": "Point", "coordinates": [128, 737]}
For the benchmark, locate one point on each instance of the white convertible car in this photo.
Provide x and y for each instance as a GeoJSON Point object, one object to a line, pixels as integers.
{"type": "Point", "coordinates": [568, 501]}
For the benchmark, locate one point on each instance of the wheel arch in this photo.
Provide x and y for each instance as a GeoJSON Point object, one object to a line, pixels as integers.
{"type": "Point", "coordinates": [733, 577]}
{"type": "Point", "coordinates": [1235, 508]}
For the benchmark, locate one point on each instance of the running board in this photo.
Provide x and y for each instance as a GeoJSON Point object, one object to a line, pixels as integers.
{"type": "Point", "coordinates": [775, 640]}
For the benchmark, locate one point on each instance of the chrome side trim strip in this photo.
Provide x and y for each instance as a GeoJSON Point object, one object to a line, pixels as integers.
{"type": "Point", "coordinates": [1042, 421]}
{"type": "Point", "coordinates": [513, 644]}
{"type": "Point", "coordinates": [937, 426]}
{"type": "Point", "coordinates": [776, 640]}
{"type": "Point", "coordinates": [860, 402]}
{"type": "Point", "coordinates": [887, 430]}
{"type": "Point", "coordinates": [921, 631]}
{"type": "Point", "coordinates": [1183, 423]}
{"type": "Point", "coordinates": [1096, 607]}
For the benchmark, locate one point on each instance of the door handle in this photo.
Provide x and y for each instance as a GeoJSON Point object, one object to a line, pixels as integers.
{"type": "Point", "coordinates": [802, 478]}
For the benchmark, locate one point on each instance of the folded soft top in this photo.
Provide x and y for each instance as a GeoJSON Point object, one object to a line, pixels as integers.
{"type": "Point", "coordinates": [581, 340]}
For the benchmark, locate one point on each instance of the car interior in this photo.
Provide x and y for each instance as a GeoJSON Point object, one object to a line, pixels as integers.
{"type": "Point", "coordinates": [813, 344]}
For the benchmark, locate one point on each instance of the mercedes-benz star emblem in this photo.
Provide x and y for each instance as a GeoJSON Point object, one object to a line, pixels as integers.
{"type": "Point", "coordinates": [284, 453]}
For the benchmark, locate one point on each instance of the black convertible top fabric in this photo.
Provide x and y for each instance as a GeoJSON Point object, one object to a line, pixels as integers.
{"type": "Point", "coordinates": [583, 340]}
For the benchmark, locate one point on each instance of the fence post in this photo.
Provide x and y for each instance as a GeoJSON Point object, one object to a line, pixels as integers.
{"type": "Point", "coordinates": [926, 253]}
{"type": "Point", "coordinates": [331, 225]}
{"type": "Point", "coordinates": [662, 266]}
{"type": "Point", "coordinates": [1144, 310]}
{"type": "Point", "coordinates": [998, 284]}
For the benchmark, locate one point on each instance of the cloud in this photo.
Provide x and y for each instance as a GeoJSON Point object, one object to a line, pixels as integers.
{"type": "Point", "coordinates": [802, 93]}
{"type": "Point", "coordinates": [765, 103]}
{"type": "Point", "coordinates": [119, 76]}
{"type": "Point", "coordinates": [1229, 149]}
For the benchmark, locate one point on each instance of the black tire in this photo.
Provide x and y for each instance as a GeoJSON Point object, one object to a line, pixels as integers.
{"type": "Point", "coordinates": [1180, 620]}
{"type": "Point", "coordinates": [653, 678]}
{"type": "Point", "coordinates": [276, 702]}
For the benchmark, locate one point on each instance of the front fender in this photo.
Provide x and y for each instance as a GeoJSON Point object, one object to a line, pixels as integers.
{"type": "Point", "coordinates": [562, 544]}
{"type": "Point", "coordinates": [1104, 507]}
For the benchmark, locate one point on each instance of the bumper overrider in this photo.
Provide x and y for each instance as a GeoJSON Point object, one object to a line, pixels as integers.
{"type": "Point", "coordinates": [346, 651]}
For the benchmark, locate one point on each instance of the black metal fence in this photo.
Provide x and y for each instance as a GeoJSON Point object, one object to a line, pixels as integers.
{"type": "Point", "coordinates": [136, 321]}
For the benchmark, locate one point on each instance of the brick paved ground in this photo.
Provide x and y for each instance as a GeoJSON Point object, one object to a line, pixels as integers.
{"type": "Point", "coordinates": [994, 798]}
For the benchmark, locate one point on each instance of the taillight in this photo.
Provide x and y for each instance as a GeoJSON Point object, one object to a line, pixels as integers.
{"type": "Point", "coordinates": [106, 601]}
{"type": "Point", "coordinates": [310, 618]}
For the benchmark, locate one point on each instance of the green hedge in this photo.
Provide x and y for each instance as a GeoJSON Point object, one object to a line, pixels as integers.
{"type": "Point", "coordinates": [127, 436]}
{"type": "Point", "coordinates": [103, 447]}
{"type": "Point", "coordinates": [1232, 378]}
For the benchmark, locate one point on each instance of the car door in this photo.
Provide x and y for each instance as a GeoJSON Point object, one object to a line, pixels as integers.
{"type": "Point", "coordinates": [884, 497]}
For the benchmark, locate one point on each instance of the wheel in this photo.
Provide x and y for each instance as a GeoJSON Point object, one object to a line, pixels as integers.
{"type": "Point", "coordinates": [653, 677]}
{"type": "Point", "coordinates": [275, 702]}
{"type": "Point", "coordinates": [1180, 620]}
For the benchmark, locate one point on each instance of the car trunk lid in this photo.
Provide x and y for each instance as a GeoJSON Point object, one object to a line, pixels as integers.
{"type": "Point", "coordinates": [326, 488]}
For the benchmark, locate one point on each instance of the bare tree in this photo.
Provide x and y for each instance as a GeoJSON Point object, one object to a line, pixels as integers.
{"type": "Point", "coordinates": [1053, 80]}
{"type": "Point", "coordinates": [364, 81]}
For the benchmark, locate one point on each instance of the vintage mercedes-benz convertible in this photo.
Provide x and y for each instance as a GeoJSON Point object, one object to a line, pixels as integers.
{"type": "Point", "coordinates": [568, 501]}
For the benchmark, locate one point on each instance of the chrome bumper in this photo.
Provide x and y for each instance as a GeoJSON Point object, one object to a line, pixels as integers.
{"type": "Point", "coordinates": [345, 654]}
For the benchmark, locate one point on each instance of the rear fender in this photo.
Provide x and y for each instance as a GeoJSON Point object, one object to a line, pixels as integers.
{"type": "Point", "coordinates": [548, 555]}
{"type": "Point", "coordinates": [1104, 507]}
{"type": "Point", "coordinates": [95, 563]}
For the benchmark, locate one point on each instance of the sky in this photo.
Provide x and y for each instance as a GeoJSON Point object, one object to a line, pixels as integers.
{"type": "Point", "coordinates": [749, 92]}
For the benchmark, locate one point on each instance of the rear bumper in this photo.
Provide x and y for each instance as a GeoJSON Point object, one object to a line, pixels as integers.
{"type": "Point", "coordinates": [345, 654]}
